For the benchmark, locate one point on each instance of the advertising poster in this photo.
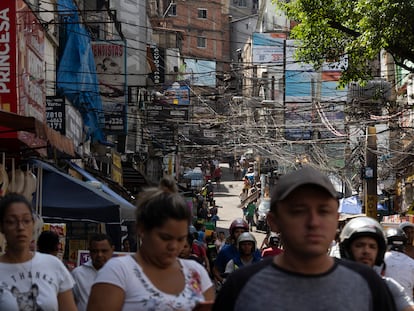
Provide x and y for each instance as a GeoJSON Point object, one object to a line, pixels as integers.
{"type": "Point", "coordinates": [174, 94]}
{"type": "Point", "coordinates": [74, 247]}
{"type": "Point", "coordinates": [299, 86]}
{"type": "Point", "coordinates": [268, 48]}
{"type": "Point", "coordinates": [110, 67]}
{"type": "Point", "coordinates": [199, 72]}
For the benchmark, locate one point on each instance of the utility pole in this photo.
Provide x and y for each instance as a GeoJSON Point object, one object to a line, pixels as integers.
{"type": "Point", "coordinates": [370, 174]}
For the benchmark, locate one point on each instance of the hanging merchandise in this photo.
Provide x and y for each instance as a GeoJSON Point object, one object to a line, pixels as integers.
{"type": "Point", "coordinates": [29, 185]}
{"type": "Point", "coordinates": [16, 180]}
{"type": "Point", "coordinates": [19, 183]}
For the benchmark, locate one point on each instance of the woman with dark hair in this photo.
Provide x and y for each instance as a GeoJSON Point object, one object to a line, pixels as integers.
{"type": "Point", "coordinates": [29, 280]}
{"type": "Point", "coordinates": [154, 278]}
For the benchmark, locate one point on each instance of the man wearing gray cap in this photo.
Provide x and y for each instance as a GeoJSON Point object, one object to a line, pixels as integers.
{"type": "Point", "coordinates": [304, 210]}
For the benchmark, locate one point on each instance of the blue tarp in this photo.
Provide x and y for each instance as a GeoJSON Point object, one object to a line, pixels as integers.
{"type": "Point", "coordinates": [350, 205]}
{"type": "Point", "coordinates": [353, 205]}
{"type": "Point", "coordinates": [76, 75]}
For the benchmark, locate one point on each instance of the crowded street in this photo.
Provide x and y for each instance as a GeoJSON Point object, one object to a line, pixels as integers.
{"type": "Point", "coordinates": [227, 197]}
{"type": "Point", "coordinates": [193, 155]}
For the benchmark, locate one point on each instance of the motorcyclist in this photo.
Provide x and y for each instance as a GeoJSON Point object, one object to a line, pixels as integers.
{"type": "Point", "coordinates": [363, 240]}
{"type": "Point", "coordinates": [246, 245]}
{"type": "Point", "coordinates": [399, 266]}
{"type": "Point", "coordinates": [229, 250]}
{"type": "Point", "coordinates": [273, 249]}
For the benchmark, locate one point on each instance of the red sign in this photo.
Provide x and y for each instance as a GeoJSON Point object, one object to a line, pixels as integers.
{"type": "Point", "coordinates": [22, 73]}
{"type": "Point", "coordinates": [8, 92]}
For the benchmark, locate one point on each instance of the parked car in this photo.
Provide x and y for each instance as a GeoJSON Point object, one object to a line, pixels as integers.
{"type": "Point", "coordinates": [261, 214]}
{"type": "Point", "coordinates": [196, 178]}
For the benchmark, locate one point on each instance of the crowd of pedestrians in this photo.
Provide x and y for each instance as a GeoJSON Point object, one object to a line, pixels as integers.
{"type": "Point", "coordinates": [181, 266]}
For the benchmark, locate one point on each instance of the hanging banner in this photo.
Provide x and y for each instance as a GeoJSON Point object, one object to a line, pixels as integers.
{"type": "Point", "coordinates": [110, 67]}
{"type": "Point", "coordinates": [156, 64]}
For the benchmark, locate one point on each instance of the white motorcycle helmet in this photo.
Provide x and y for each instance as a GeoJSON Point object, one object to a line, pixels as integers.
{"type": "Point", "coordinates": [246, 237]}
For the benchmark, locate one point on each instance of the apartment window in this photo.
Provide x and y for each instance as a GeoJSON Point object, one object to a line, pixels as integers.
{"type": "Point", "coordinates": [242, 3]}
{"type": "Point", "coordinates": [173, 10]}
{"type": "Point", "coordinates": [202, 13]}
{"type": "Point", "coordinates": [201, 42]}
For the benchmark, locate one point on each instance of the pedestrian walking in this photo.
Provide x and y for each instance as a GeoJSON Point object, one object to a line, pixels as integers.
{"type": "Point", "coordinates": [29, 280]}
{"type": "Point", "coordinates": [101, 249]}
{"type": "Point", "coordinates": [250, 212]}
{"type": "Point", "coordinates": [154, 278]}
{"type": "Point", "coordinates": [48, 243]}
{"type": "Point", "coordinates": [304, 210]}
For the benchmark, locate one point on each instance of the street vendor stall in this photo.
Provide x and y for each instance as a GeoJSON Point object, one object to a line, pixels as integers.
{"type": "Point", "coordinates": [61, 198]}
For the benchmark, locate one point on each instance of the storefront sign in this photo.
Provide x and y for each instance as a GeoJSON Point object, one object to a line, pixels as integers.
{"type": "Point", "coordinates": [155, 59]}
{"type": "Point", "coordinates": [55, 113]}
{"type": "Point", "coordinates": [8, 94]}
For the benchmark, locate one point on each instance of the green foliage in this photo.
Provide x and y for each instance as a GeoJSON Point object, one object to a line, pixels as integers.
{"type": "Point", "coordinates": [360, 29]}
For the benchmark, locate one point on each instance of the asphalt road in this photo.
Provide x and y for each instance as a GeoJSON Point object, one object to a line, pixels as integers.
{"type": "Point", "coordinates": [227, 196]}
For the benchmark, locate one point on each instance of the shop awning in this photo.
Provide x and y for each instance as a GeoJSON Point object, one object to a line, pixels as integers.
{"type": "Point", "coordinates": [67, 198]}
{"type": "Point", "coordinates": [127, 209]}
{"type": "Point", "coordinates": [17, 122]}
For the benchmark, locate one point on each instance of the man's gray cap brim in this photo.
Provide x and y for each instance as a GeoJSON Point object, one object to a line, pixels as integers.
{"type": "Point", "coordinates": [305, 176]}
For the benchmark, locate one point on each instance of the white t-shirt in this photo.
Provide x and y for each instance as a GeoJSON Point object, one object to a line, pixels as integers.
{"type": "Point", "coordinates": [141, 294]}
{"type": "Point", "coordinates": [84, 276]}
{"type": "Point", "coordinates": [400, 267]}
{"type": "Point", "coordinates": [401, 299]}
{"type": "Point", "coordinates": [33, 285]}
